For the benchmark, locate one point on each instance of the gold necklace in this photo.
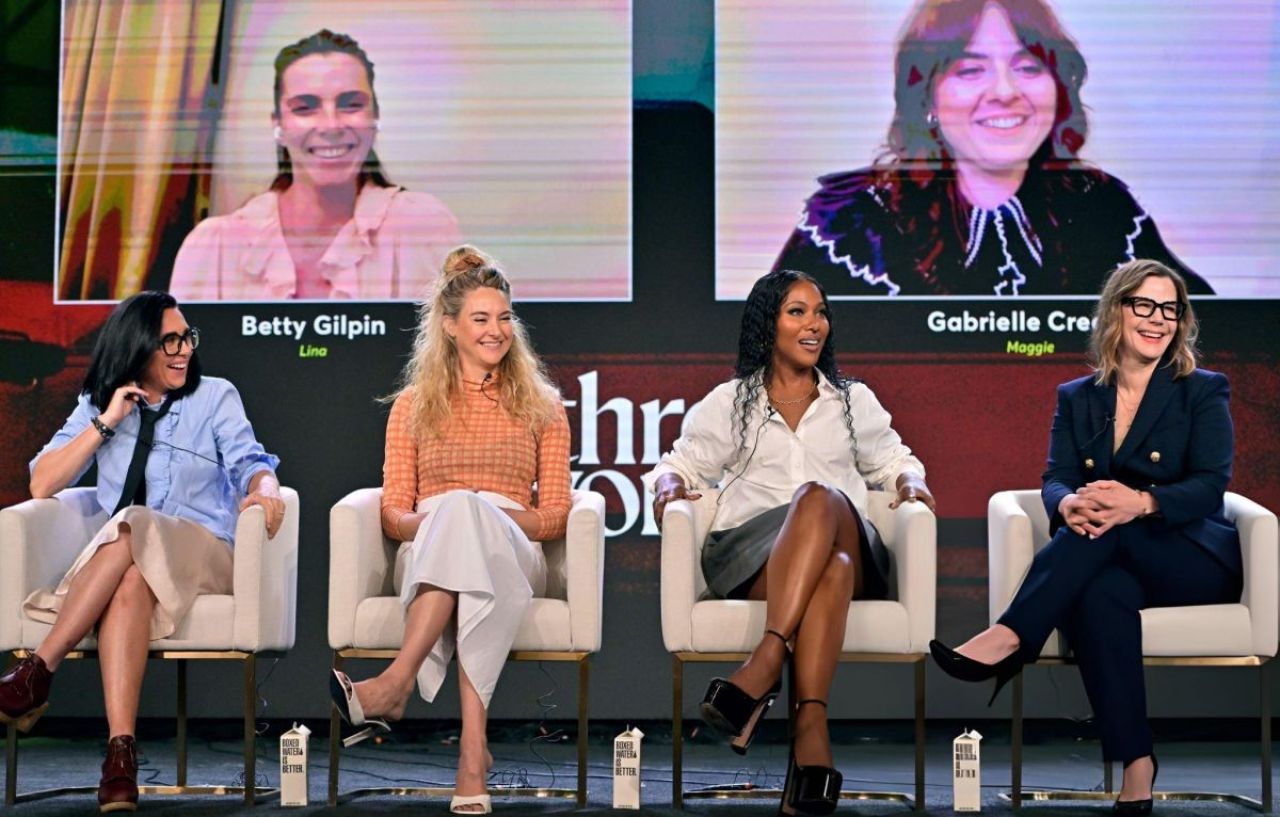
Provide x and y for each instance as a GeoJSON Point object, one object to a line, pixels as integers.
{"type": "Point", "coordinates": [799, 399]}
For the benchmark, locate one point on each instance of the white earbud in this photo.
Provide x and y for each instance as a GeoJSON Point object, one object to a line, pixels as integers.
{"type": "Point", "coordinates": [275, 133]}
{"type": "Point", "coordinates": [377, 124]}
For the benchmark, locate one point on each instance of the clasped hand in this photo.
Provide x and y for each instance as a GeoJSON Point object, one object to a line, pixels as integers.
{"type": "Point", "coordinates": [1099, 506]}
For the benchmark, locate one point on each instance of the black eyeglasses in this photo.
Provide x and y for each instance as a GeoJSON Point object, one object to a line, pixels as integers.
{"type": "Point", "coordinates": [1145, 307]}
{"type": "Point", "coordinates": [172, 342]}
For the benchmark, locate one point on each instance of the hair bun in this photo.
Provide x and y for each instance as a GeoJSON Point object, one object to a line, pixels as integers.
{"type": "Point", "coordinates": [464, 259]}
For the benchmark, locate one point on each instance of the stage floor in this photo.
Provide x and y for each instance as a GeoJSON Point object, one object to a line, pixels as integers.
{"type": "Point", "coordinates": [872, 757]}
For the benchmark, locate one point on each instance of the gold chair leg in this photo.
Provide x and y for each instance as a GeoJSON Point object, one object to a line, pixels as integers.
{"type": "Point", "coordinates": [920, 737]}
{"type": "Point", "coordinates": [1264, 712]}
{"type": "Point", "coordinates": [11, 755]}
{"type": "Point", "coordinates": [1015, 748]}
{"type": "Point", "coordinates": [182, 722]}
{"type": "Point", "coordinates": [584, 688]}
{"type": "Point", "coordinates": [11, 765]}
{"type": "Point", "coordinates": [250, 729]}
{"type": "Point", "coordinates": [335, 741]}
{"type": "Point", "coordinates": [677, 733]}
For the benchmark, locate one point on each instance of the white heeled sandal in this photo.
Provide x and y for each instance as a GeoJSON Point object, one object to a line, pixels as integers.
{"type": "Point", "coordinates": [459, 803]}
{"type": "Point", "coordinates": [345, 700]}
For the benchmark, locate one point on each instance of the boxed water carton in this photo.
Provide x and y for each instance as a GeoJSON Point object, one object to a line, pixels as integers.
{"type": "Point", "coordinates": [293, 766]}
{"type": "Point", "coordinates": [626, 769]}
{"type": "Point", "coordinates": [966, 751]}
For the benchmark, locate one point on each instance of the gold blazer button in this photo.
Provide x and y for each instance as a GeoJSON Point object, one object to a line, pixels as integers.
{"type": "Point", "coordinates": [1155, 456]}
{"type": "Point", "coordinates": [1088, 463]}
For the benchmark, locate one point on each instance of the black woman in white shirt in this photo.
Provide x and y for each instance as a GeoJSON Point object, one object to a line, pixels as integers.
{"type": "Point", "coordinates": [793, 445]}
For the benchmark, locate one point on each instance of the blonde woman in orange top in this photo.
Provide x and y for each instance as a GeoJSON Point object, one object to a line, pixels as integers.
{"type": "Point", "coordinates": [475, 426]}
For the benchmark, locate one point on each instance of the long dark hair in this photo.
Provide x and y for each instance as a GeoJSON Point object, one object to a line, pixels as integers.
{"type": "Point", "coordinates": [125, 344]}
{"type": "Point", "coordinates": [756, 340]}
{"type": "Point", "coordinates": [918, 170]}
{"type": "Point", "coordinates": [324, 41]}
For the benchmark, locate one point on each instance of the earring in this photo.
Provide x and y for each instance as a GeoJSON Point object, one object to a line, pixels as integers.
{"type": "Point", "coordinates": [275, 133]}
{"type": "Point", "coordinates": [932, 119]}
{"type": "Point", "coordinates": [377, 125]}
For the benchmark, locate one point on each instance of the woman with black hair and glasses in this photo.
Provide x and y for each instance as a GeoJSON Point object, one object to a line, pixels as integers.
{"type": "Point", "coordinates": [176, 462]}
{"type": "Point", "coordinates": [1139, 458]}
{"type": "Point", "coordinates": [794, 444]}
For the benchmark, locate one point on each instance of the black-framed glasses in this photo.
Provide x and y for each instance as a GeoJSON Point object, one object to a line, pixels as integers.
{"type": "Point", "coordinates": [1145, 307]}
{"type": "Point", "coordinates": [172, 342]}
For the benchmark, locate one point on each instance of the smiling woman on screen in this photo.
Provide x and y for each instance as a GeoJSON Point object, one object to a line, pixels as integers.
{"type": "Point", "coordinates": [980, 189]}
{"type": "Point", "coordinates": [331, 225]}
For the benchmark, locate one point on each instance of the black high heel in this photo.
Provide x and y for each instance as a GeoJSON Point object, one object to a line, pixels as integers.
{"type": "Point", "coordinates": [966, 669]}
{"type": "Point", "coordinates": [730, 710]}
{"type": "Point", "coordinates": [810, 789]}
{"type": "Point", "coordinates": [1138, 808]}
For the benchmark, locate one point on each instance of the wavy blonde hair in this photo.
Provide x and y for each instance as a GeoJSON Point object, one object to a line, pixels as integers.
{"type": "Point", "coordinates": [1108, 330]}
{"type": "Point", "coordinates": [433, 376]}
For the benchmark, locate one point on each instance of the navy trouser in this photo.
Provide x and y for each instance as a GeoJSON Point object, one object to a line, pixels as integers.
{"type": "Point", "coordinates": [1092, 590]}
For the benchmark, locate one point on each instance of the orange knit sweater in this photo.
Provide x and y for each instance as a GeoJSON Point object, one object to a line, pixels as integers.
{"type": "Point", "coordinates": [483, 450]}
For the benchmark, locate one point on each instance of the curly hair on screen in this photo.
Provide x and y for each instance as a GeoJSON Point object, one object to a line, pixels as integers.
{"type": "Point", "coordinates": [1108, 330]}
{"type": "Point", "coordinates": [433, 376]}
{"type": "Point", "coordinates": [756, 340]}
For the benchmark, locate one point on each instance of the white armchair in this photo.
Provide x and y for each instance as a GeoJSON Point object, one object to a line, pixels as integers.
{"type": "Point", "coordinates": [366, 618]}
{"type": "Point", "coordinates": [1242, 634]}
{"type": "Point", "coordinates": [40, 538]}
{"type": "Point", "coordinates": [891, 631]}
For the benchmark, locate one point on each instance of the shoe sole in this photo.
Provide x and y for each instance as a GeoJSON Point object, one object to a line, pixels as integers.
{"type": "Point", "coordinates": [23, 723]}
{"type": "Point", "coordinates": [112, 807]}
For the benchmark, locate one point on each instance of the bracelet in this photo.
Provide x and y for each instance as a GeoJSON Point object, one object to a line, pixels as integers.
{"type": "Point", "coordinates": [1142, 514]}
{"type": "Point", "coordinates": [102, 428]}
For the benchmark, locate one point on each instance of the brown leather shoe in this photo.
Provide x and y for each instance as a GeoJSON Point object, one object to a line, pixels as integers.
{"type": "Point", "coordinates": [24, 693]}
{"type": "Point", "coordinates": [118, 789]}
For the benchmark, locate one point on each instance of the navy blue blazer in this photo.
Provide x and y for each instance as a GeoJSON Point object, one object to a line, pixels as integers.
{"type": "Point", "coordinates": [1179, 449]}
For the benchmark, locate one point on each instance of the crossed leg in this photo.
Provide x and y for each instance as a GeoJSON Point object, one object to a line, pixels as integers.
{"type": "Point", "coordinates": [813, 571]}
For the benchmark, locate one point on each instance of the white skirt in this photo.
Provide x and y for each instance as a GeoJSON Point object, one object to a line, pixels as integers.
{"type": "Point", "coordinates": [469, 546]}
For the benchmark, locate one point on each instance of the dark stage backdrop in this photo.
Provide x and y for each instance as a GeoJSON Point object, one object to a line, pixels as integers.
{"type": "Point", "coordinates": [975, 405]}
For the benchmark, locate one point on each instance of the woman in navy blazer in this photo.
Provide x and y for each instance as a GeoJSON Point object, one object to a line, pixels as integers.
{"type": "Point", "coordinates": [1139, 457]}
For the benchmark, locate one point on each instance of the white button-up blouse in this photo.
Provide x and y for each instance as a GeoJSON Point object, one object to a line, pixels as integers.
{"type": "Point", "coordinates": [776, 460]}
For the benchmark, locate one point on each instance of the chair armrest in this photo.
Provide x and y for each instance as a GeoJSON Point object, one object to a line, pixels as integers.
{"type": "Point", "coordinates": [39, 539]}
{"type": "Point", "coordinates": [584, 570]}
{"type": "Point", "coordinates": [361, 560]}
{"type": "Point", "coordinates": [678, 574]}
{"type": "Point", "coordinates": [915, 549]}
{"type": "Point", "coordinates": [1010, 550]}
{"type": "Point", "coordinates": [1259, 543]}
{"type": "Point", "coordinates": [265, 579]}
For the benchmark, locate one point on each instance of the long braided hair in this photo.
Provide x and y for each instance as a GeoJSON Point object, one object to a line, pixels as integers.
{"type": "Point", "coordinates": [756, 340]}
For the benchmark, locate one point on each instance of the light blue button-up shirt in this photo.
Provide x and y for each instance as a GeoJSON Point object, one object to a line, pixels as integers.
{"type": "Point", "coordinates": [202, 460]}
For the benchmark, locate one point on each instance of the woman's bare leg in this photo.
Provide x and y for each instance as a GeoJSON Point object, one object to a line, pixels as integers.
{"type": "Point", "coordinates": [387, 694]}
{"type": "Point", "coordinates": [818, 645]}
{"type": "Point", "coordinates": [124, 637]}
{"type": "Point", "coordinates": [90, 593]}
{"type": "Point", "coordinates": [474, 759]}
{"type": "Point", "coordinates": [819, 520]}
{"type": "Point", "coordinates": [991, 645]}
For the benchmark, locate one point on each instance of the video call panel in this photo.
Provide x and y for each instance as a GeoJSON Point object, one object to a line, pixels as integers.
{"type": "Point", "coordinates": [505, 125]}
{"type": "Point", "coordinates": [1148, 128]}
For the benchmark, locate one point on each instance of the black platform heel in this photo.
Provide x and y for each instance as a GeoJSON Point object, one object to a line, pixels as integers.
{"type": "Point", "coordinates": [1139, 808]}
{"type": "Point", "coordinates": [730, 710]}
{"type": "Point", "coordinates": [810, 789]}
{"type": "Point", "coordinates": [966, 669]}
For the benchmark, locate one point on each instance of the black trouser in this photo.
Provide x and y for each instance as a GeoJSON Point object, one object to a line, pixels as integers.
{"type": "Point", "coordinates": [1093, 590]}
